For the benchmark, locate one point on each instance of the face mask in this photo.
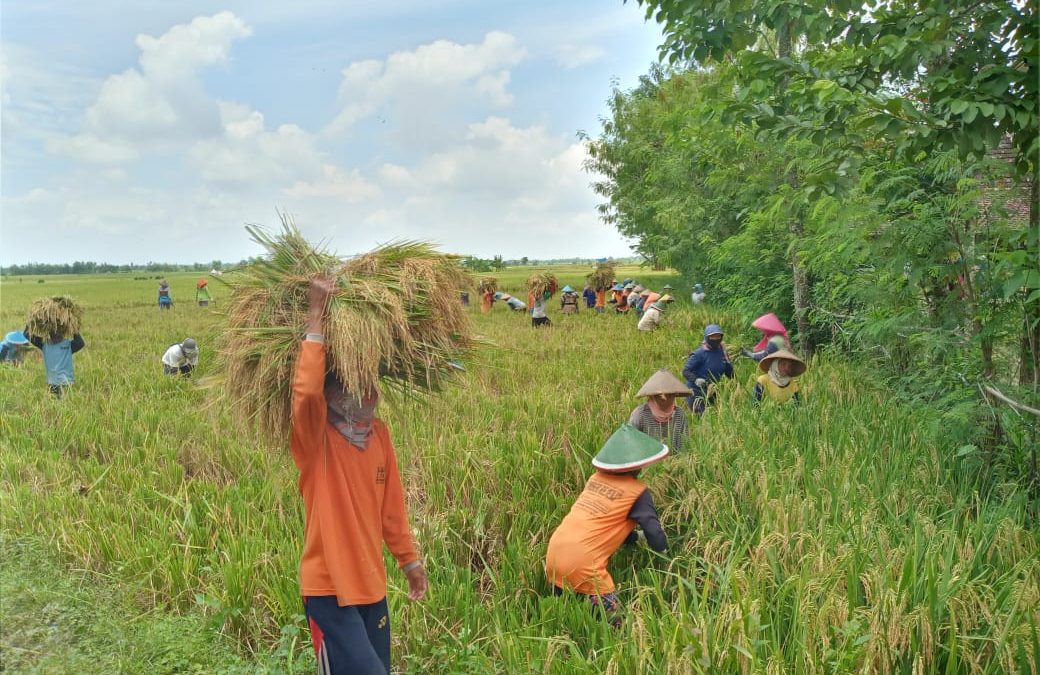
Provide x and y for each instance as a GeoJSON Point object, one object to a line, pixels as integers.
{"type": "Point", "coordinates": [714, 342]}
{"type": "Point", "coordinates": [353, 418]}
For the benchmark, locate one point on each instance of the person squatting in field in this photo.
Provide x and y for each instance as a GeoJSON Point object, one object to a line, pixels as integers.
{"type": "Point", "coordinates": [57, 358]}
{"type": "Point", "coordinates": [181, 357]}
{"type": "Point", "coordinates": [605, 516]}
{"type": "Point", "coordinates": [660, 417]}
{"type": "Point", "coordinates": [707, 365]}
{"type": "Point", "coordinates": [13, 348]}
{"type": "Point", "coordinates": [778, 382]}
{"type": "Point", "coordinates": [353, 503]}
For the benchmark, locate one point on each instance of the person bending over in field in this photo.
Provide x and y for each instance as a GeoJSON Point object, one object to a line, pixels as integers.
{"type": "Point", "coordinates": [181, 357]}
{"type": "Point", "coordinates": [777, 384]}
{"type": "Point", "coordinates": [13, 348]}
{"type": "Point", "coordinates": [660, 417]}
{"type": "Point", "coordinates": [353, 502]}
{"type": "Point", "coordinates": [651, 318]}
{"type": "Point", "coordinates": [604, 516]}
{"type": "Point", "coordinates": [515, 304]}
{"type": "Point", "coordinates": [57, 358]}
{"type": "Point", "coordinates": [708, 364]}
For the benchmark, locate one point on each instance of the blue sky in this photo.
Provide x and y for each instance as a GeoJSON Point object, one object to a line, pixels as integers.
{"type": "Point", "coordinates": [154, 130]}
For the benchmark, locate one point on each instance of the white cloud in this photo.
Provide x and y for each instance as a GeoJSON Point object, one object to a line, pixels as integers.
{"type": "Point", "coordinates": [162, 101]}
{"type": "Point", "coordinates": [408, 82]}
{"type": "Point", "coordinates": [574, 56]}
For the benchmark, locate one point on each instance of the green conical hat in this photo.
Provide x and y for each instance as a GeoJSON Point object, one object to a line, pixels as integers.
{"type": "Point", "coordinates": [629, 449]}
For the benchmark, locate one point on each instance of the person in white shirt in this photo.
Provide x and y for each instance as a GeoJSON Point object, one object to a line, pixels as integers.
{"type": "Point", "coordinates": [181, 358]}
{"type": "Point", "coordinates": [698, 294]}
{"type": "Point", "coordinates": [652, 314]}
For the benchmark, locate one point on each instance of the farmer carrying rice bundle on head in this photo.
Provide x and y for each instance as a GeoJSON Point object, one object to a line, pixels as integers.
{"type": "Point", "coordinates": [605, 516]}
{"type": "Point", "coordinates": [541, 287]}
{"type": "Point", "coordinates": [707, 365]}
{"type": "Point", "coordinates": [778, 383]}
{"type": "Point", "coordinates": [343, 330]}
{"type": "Point", "coordinates": [202, 296]}
{"type": "Point", "coordinates": [601, 279]}
{"type": "Point", "coordinates": [569, 300]}
{"type": "Point", "coordinates": [53, 327]}
{"type": "Point", "coordinates": [660, 417]}
{"type": "Point", "coordinates": [13, 348]}
{"type": "Point", "coordinates": [487, 288]}
{"type": "Point", "coordinates": [654, 313]}
{"type": "Point", "coordinates": [774, 337]}
{"type": "Point", "coordinates": [165, 299]}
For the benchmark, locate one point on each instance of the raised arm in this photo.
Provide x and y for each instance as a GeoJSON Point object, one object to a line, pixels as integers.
{"type": "Point", "coordinates": [308, 406]}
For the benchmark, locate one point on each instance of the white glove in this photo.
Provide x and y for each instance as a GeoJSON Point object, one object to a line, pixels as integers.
{"type": "Point", "coordinates": [700, 383]}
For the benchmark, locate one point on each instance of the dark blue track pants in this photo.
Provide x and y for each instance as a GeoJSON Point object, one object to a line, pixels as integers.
{"type": "Point", "coordinates": [349, 640]}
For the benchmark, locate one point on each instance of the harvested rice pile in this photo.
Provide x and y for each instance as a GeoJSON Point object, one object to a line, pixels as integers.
{"type": "Point", "coordinates": [542, 284]}
{"type": "Point", "coordinates": [602, 276]}
{"type": "Point", "coordinates": [59, 315]}
{"type": "Point", "coordinates": [395, 319]}
{"type": "Point", "coordinates": [487, 285]}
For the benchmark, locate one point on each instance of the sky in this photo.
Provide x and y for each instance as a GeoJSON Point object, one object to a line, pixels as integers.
{"type": "Point", "coordinates": [155, 130]}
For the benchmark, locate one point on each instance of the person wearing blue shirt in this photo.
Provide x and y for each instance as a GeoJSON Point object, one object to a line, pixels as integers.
{"type": "Point", "coordinates": [57, 359]}
{"type": "Point", "coordinates": [706, 366]}
{"type": "Point", "coordinates": [590, 296]}
{"type": "Point", "coordinates": [12, 349]}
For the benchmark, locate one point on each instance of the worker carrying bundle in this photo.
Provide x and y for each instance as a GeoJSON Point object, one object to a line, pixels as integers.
{"type": "Point", "coordinates": [53, 326]}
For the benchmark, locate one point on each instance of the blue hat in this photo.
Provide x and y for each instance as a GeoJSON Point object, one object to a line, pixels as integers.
{"type": "Point", "coordinates": [618, 287]}
{"type": "Point", "coordinates": [712, 330]}
{"type": "Point", "coordinates": [16, 337]}
{"type": "Point", "coordinates": [498, 295]}
{"type": "Point", "coordinates": [568, 289]}
{"type": "Point", "coordinates": [698, 288]}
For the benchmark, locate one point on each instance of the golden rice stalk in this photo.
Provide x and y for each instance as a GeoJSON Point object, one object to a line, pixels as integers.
{"type": "Point", "coordinates": [394, 319]}
{"type": "Point", "coordinates": [602, 276]}
{"type": "Point", "coordinates": [487, 285]}
{"type": "Point", "coordinates": [58, 315]}
{"type": "Point", "coordinates": [542, 284]}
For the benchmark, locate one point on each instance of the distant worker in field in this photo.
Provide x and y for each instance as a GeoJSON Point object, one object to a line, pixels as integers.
{"type": "Point", "coordinates": [698, 294]}
{"type": "Point", "coordinates": [705, 367]}
{"type": "Point", "coordinates": [353, 504]}
{"type": "Point", "coordinates": [660, 417]}
{"type": "Point", "coordinates": [605, 516]}
{"type": "Point", "coordinates": [487, 299]}
{"type": "Point", "coordinates": [569, 300]}
{"type": "Point", "coordinates": [13, 348]}
{"type": "Point", "coordinates": [601, 300]}
{"type": "Point", "coordinates": [774, 337]}
{"type": "Point", "coordinates": [778, 382]}
{"type": "Point", "coordinates": [618, 299]}
{"type": "Point", "coordinates": [165, 299]}
{"type": "Point", "coordinates": [464, 298]}
{"type": "Point", "coordinates": [539, 310]}
{"type": "Point", "coordinates": [57, 359]}
{"type": "Point", "coordinates": [653, 314]}
{"type": "Point", "coordinates": [515, 304]}
{"type": "Point", "coordinates": [589, 294]}
{"type": "Point", "coordinates": [635, 298]}
{"type": "Point", "coordinates": [202, 296]}
{"type": "Point", "coordinates": [181, 357]}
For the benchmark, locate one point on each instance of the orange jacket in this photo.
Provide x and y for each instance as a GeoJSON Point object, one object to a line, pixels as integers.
{"type": "Point", "coordinates": [601, 298]}
{"type": "Point", "coordinates": [353, 499]}
{"type": "Point", "coordinates": [595, 527]}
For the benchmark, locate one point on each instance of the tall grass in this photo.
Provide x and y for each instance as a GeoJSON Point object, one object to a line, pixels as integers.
{"type": "Point", "coordinates": [840, 536]}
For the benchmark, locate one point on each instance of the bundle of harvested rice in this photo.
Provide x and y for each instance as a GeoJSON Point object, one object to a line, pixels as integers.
{"type": "Point", "coordinates": [542, 284]}
{"type": "Point", "coordinates": [394, 319]}
{"type": "Point", "coordinates": [487, 285]}
{"type": "Point", "coordinates": [59, 315]}
{"type": "Point", "coordinates": [602, 276]}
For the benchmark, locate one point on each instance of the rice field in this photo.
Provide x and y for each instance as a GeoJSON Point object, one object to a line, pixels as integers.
{"type": "Point", "coordinates": [842, 536]}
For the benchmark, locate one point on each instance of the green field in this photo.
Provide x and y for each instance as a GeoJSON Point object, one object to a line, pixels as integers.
{"type": "Point", "coordinates": [840, 536]}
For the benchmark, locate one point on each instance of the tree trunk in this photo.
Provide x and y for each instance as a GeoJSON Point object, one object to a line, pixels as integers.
{"type": "Point", "coordinates": [799, 276]}
{"type": "Point", "coordinates": [1029, 348]}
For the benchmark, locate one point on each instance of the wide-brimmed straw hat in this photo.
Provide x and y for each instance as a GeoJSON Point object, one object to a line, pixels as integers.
{"type": "Point", "coordinates": [797, 369]}
{"type": "Point", "coordinates": [663, 383]}
{"type": "Point", "coordinates": [667, 287]}
{"type": "Point", "coordinates": [629, 449]}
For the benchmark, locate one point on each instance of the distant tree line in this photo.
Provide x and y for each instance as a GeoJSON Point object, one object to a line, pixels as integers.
{"type": "Point", "coordinates": [90, 267]}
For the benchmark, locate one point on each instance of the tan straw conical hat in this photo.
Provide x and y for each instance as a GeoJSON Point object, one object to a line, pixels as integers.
{"type": "Point", "coordinates": [797, 369]}
{"type": "Point", "coordinates": [662, 382]}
